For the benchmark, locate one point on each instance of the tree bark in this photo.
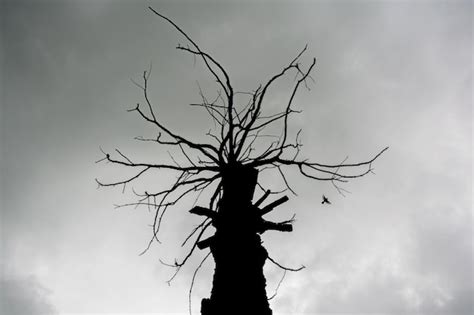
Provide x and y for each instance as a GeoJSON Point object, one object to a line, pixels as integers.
{"type": "Point", "coordinates": [239, 283]}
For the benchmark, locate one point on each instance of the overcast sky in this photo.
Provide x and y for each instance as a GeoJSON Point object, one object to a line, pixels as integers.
{"type": "Point", "coordinates": [389, 73]}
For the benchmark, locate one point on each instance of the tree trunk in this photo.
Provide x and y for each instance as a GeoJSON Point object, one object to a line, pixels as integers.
{"type": "Point", "coordinates": [239, 284]}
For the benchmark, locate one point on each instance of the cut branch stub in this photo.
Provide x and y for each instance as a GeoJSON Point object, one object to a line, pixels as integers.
{"type": "Point", "coordinates": [267, 225]}
{"type": "Point", "coordinates": [203, 211]}
{"type": "Point", "coordinates": [205, 243]}
{"type": "Point", "coordinates": [262, 199]}
{"type": "Point", "coordinates": [273, 205]}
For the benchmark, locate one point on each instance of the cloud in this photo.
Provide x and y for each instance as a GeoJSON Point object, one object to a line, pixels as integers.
{"type": "Point", "coordinates": [388, 73]}
{"type": "Point", "coordinates": [25, 296]}
{"type": "Point", "coordinates": [420, 267]}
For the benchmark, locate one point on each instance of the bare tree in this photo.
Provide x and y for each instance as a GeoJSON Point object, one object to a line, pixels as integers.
{"type": "Point", "coordinates": [228, 167]}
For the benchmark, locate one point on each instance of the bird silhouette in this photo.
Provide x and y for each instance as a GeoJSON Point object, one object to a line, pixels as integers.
{"type": "Point", "coordinates": [325, 200]}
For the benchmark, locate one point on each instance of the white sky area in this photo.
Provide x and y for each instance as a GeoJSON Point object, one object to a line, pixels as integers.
{"type": "Point", "coordinates": [389, 73]}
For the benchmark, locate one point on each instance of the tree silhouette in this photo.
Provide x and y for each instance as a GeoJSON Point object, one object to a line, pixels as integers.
{"type": "Point", "coordinates": [228, 168]}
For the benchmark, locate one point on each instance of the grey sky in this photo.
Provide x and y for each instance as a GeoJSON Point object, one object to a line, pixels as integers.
{"type": "Point", "coordinates": [396, 73]}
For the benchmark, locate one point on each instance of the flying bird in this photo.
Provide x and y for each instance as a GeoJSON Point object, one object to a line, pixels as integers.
{"type": "Point", "coordinates": [325, 200]}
